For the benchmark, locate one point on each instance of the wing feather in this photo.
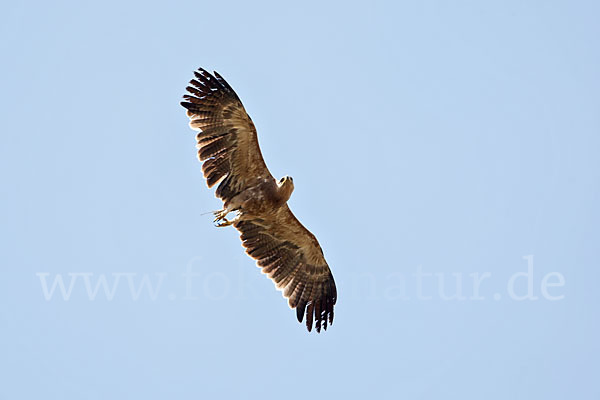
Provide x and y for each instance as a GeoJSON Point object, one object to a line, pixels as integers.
{"type": "Point", "coordinates": [227, 141]}
{"type": "Point", "coordinates": [292, 258]}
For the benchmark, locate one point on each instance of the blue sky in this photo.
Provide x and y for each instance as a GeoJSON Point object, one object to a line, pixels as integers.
{"type": "Point", "coordinates": [433, 145]}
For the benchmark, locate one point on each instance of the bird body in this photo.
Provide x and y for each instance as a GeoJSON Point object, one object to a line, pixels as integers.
{"type": "Point", "coordinates": [287, 252]}
{"type": "Point", "coordinates": [259, 197]}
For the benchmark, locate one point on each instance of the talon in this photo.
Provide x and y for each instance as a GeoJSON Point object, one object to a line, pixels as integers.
{"type": "Point", "coordinates": [225, 222]}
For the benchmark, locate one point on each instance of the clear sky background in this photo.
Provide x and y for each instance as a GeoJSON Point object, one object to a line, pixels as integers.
{"type": "Point", "coordinates": [454, 138]}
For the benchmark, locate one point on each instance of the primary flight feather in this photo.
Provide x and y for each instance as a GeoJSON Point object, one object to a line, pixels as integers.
{"type": "Point", "coordinates": [285, 250]}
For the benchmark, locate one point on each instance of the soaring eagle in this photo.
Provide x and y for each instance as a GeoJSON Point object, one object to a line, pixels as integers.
{"type": "Point", "coordinates": [285, 250]}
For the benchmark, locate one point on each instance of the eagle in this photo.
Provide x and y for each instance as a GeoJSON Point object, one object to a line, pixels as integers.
{"type": "Point", "coordinates": [287, 252]}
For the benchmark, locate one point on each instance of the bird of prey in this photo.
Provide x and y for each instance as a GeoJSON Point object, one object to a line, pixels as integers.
{"type": "Point", "coordinates": [285, 250]}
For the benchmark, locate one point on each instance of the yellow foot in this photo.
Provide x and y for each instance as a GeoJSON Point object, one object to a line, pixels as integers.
{"type": "Point", "coordinates": [220, 218]}
{"type": "Point", "coordinates": [219, 214]}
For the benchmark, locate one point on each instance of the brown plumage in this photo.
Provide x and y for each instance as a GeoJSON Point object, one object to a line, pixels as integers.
{"type": "Point", "coordinates": [285, 250]}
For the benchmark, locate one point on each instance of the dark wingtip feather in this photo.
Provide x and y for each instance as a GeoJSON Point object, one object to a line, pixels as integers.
{"type": "Point", "coordinates": [223, 82]}
{"type": "Point", "coordinates": [326, 310]}
{"type": "Point", "coordinates": [309, 316]}
{"type": "Point", "coordinates": [318, 315]}
{"type": "Point", "coordinates": [300, 311]}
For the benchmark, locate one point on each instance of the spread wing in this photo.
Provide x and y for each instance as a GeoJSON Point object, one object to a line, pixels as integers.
{"type": "Point", "coordinates": [227, 142]}
{"type": "Point", "coordinates": [285, 250]}
{"type": "Point", "coordinates": [291, 256]}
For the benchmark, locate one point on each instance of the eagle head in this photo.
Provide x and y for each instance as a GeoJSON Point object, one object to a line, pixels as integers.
{"type": "Point", "coordinates": [286, 187]}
